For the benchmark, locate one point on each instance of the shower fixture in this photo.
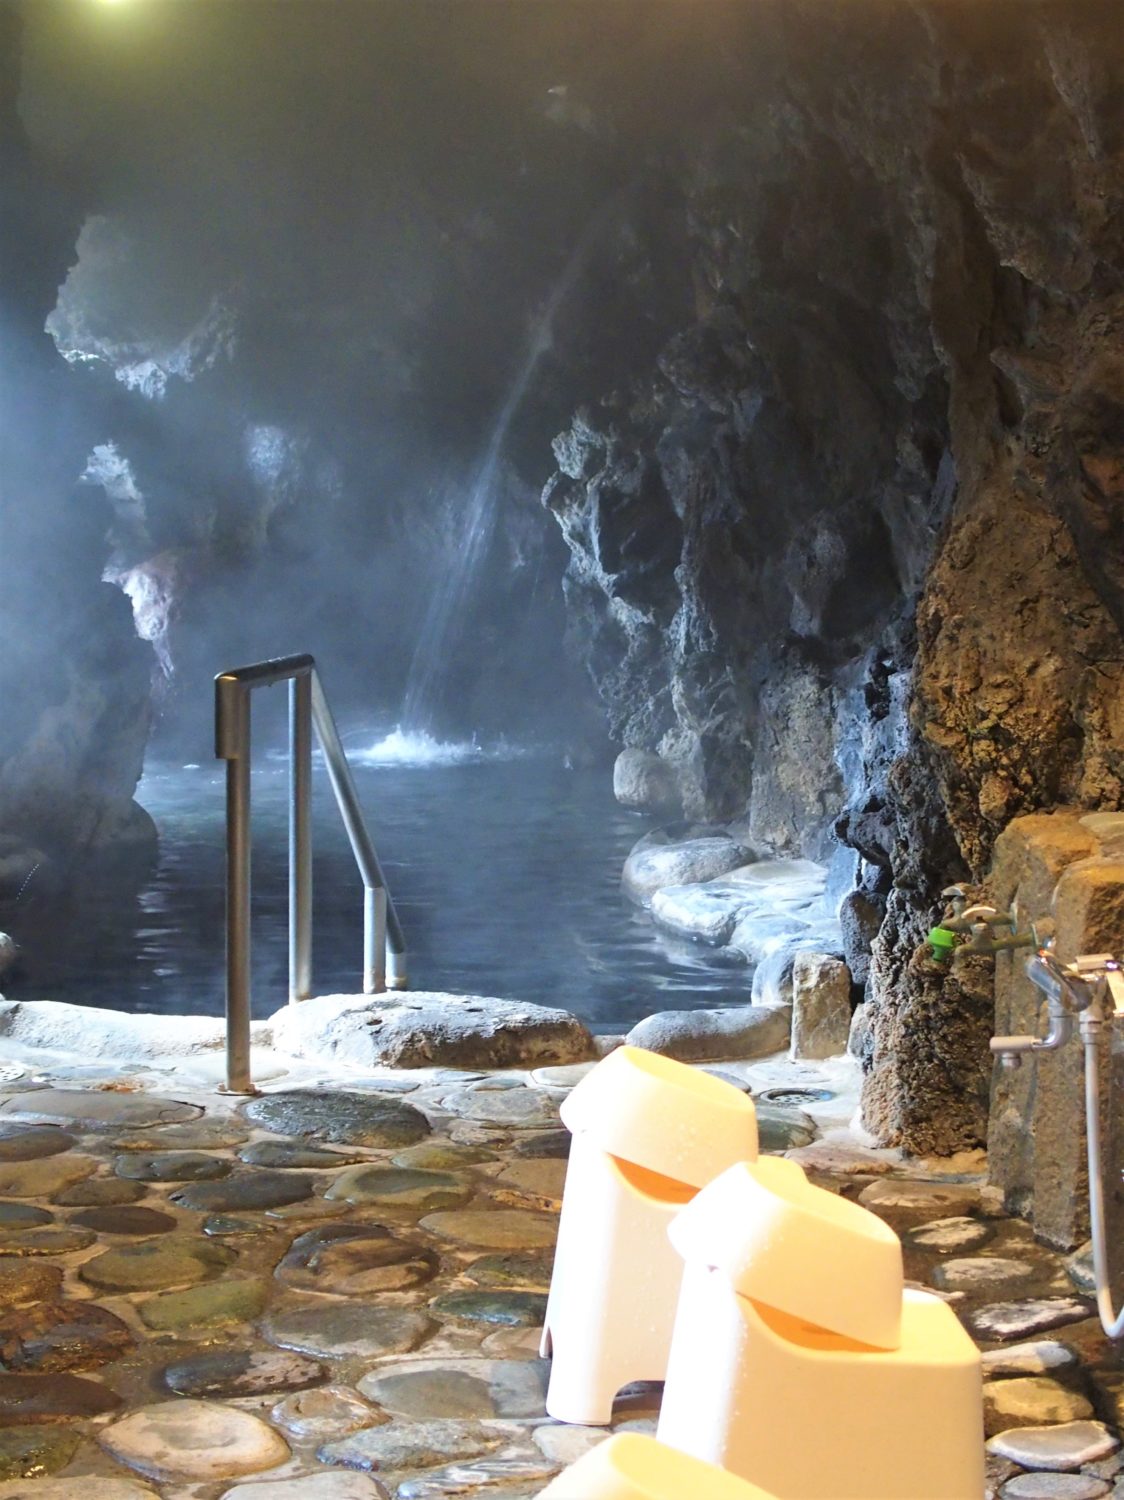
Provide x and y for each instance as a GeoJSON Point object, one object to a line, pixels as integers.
{"type": "Point", "coordinates": [1089, 994]}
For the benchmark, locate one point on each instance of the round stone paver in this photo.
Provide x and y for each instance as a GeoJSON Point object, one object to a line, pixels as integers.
{"type": "Point", "coordinates": [46, 1337]}
{"type": "Point", "coordinates": [78, 1488]}
{"type": "Point", "coordinates": [52, 1239]}
{"type": "Point", "coordinates": [509, 1108]}
{"type": "Point", "coordinates": [441, 1156]}
{"type": "Point", "coordinates": [984, 1273]}
{"type": "Point", "coordinates": [487, 1476]}
{"type": "Point", "coordinates": [1034, 1358]}
{"type": "Point", "coordinates": [365, 1330]}
{"type": "Point", "coordinates": [338, 1485]}
{"type": "Point", "coordinates": [242, 1372]}
{"type": "Point", "coordinates": [195, 1135]}
{"type": "Point", "coordinates": [411, 1445]}
{"type": "Point", "coordinates": [952, 1197]}
{"type": "Point", "coordinates": [23, 1216]}
{"type": "Point", "coordinates": [1031, 1401]}
{"type": "Point", "coordinates": [28, 1281]}
{"type": "Point", "coordinates": [463, 1389]}
{"type": "Point", "coordinates": [31, 1452]}
{"type": "Point", "coordinates": [494, 1229]}
{"type": "Point", "coordinates": [1048, 1486]}
{"type": "Point", "coordinates": [287, 1154]}
{"type": "Point", "coordinates": [125, 1220]}
{"type": "Point", "coordinates": [1063, 1448]}
{"type": "Point", "coordinates": [156, 1265]}
{"type": "Point", "coordinates": [99, 1192]}
{"type": "Point", "coordinates": [33, 1142]}
{"type": "Point", "coordinates": [950, 1234]}
{"type": "Point", "coordinates": [400, 1189]}
{"type": "Point", "coordinates": [39, 1179]}
{"type": "Point", "coordinates": [1012, 1320]}
{"type": "Point", "coordinates": [194, 1440]}
{"type": "Point", "coordinates": [96, 1109]}
{"type": "Point", "coordinates": [538, 1183]}
{"type": "Point", "coordinates": [171, 1166]}
{"type": "Point", "coordinates": [348, 1119]}
{"type": "Point", "coordinates": [29, 1399]}
{"type": "Point", "coordinates": [231, 1300]}
{"type": "Point", "coordinates": [528, 1272]}
{"type": "Point", "coordinates": [355, 1259]}
{"type": "Point", "coordinates": [250, 1189]}
{"type": "Point", "coordinates": [499, 1308]}
{"type": "Point", "coordinates": [329, 1411]}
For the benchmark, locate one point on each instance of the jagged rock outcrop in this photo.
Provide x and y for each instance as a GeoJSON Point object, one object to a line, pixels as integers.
{"type": "Point", "coordinates": [848, 552]}
{"type": "Point", "coordinates": [73, 675]}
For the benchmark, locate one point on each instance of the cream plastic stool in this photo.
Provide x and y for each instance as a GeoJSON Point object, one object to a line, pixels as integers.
{"type": "Point", "coordinates": [632, 1467]}
{"type": "Point", "coordinates": [798, 1360]}
{"type": "Point", "coordinates": [648, 1133]}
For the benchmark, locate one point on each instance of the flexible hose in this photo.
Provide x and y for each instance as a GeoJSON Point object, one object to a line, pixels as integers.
{"type": "Point", "coordinates": [1113, 1323]}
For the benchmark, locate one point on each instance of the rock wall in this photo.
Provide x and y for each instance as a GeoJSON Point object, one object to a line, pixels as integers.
{"type": "Point", "coordinates": [847, 554]}
{"type": "Point", "coordinates": [74, 678]}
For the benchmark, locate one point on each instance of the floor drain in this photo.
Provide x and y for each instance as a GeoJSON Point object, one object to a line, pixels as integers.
{"type": "Point", "coordinates": [9, 1072]}
{"type": "Point", "coordinates": [796, 1096]}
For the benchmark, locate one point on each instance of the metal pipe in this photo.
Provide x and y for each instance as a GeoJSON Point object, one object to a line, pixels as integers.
{"type": "Point", "coordinates": [300, 837]}
{"type": "Point", "coordinates": [238, 1079]}
{"type": "Point", "coordinates": [1111, 1321]}
{"type": "Point", "coordinates": [347, 796]}
{"type": "Point", "coordinates": [374, 940]}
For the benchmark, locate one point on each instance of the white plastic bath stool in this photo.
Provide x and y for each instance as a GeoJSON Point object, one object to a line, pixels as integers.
{"type": "Point", "coordinates": [851, 1388]}
{"type": "Point", "coordinates": [632, 1467]}
{"type": "Point", "coordinates": [648, 1134]}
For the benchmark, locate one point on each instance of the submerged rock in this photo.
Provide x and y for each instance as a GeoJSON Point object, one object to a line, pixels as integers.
{"type": "Point", "coordinates": [659, 860]}
{"type": "Point", "coordinates": [423, 1029]}
{"type": "Point", "coordinates": [198, 1440]}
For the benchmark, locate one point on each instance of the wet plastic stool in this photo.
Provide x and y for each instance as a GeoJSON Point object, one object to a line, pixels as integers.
{"type": "Point", "coordinates": [632, 1467]}
{"type": "Point", "coordinates": [648, 1134]}
{"type": "Point", "coordinates": [800, 1362]}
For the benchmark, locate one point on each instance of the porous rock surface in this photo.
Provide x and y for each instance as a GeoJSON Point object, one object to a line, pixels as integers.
{"type": "Point", "coordinates": [426, 1029]}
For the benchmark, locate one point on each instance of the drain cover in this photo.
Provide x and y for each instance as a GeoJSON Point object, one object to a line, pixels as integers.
{"type": "Point", "coordinates": [9, 1072]}
{"type": "Point", "coordinates": [796, 1096]}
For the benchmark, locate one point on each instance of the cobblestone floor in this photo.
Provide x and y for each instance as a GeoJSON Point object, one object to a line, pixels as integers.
{"type": "Point", "coordinates": [335, 1295]}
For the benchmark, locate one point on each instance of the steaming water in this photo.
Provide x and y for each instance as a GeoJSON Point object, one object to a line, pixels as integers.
{"type": "Point", "coordinates": [505, 872]}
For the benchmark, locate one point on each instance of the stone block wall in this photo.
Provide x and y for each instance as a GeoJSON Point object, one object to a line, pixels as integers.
{"type": "Point", "coordinates": [1065, 872]}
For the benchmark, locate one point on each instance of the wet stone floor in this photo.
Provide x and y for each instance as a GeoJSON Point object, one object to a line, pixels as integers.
{"type": "Point", "coordinates": [336, 1295]}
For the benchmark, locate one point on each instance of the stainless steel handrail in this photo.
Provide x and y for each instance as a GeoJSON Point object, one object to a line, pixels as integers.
{"type": "Point", "coordinates": [384, 948]}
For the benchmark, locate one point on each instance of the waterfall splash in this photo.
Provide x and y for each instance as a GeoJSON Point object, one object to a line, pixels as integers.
{"type": "Point", "coordinates": [463, 562]}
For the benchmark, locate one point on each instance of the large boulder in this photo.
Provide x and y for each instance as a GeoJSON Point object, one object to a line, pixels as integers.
{"type": "Point", "coordinates": [426, 1029]}
{"type": "Point", "coordinates": [645, 782]}
{"type": "Point", "coordinates": [821, 1006]}
{"type": "Point", "coordinates": [714, 1035]}
{"type": "Point", "coordinates": [659, 861]}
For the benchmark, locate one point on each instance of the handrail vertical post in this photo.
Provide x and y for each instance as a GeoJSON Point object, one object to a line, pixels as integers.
{"type": "Point", "coordinates": [374, 940]}
{"type": "Point", "coordinates": [232, 735]}
{"type": "Point", "coordinates": [300, 837]}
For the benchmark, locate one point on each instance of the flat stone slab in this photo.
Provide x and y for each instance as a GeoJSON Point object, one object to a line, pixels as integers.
{"type": "Point", "coordinates": [254, 1188]}
{"type": "Point", "coordinates": [413, 1445]}
{"type": "Point", "coordinates": [709, 1035]}
{"type": "Point", "coordinates": [327, 1412]}
{"type": "Point", "coordinates": [52, 1239]}
{"type": "Point", "coordinates": [426, 1029]}
{"type": "Point", "coordinates": [39, 1179]}
{"type": "Point", "coordinates": [364, 1330]}
{"type": "Point", "coordinates": [1012, 1320]}
{"type": "Point", "coordinates": [1061, 1448]}
{"type": "Point", "coordinates": [195, 1135]}
{"type": "Point", "coordinates": [350, 1119]}
{"type": "Point", "coordinates": [28, 1281]}
{"type": "Point", "coordinates": [242, 1372]}
{"type": "Point", "coordinates": [494, 1229]}
{"type": "Point", "coordinates": [355, 1260]}
{"type": "Point", "coordinates": [985, 1273]}
{"type": "Point", "coordinates": [1031, 1401]}
{"type": "Point", "coordinates": [338, 1485]}
{"type": "Point", "coordinates": [95, 1109]}
{"type": "Point", "coordinates": [33, 1142]}
{"type": "Point", "coordinates": [464, 1389]}
{"type": "Point", "coordinates": [29, 1399]}
{"type": "Point", "coordinates": [1055, 1487]}
{"type": "Point", "coordinates": [441, 1156]}
{"type": "Point", "coordinates": [539, 1184]}
{"type": "Point", "coordinates": [178, 1260]}
{"type": "Point", "coordinates": [48, 1337]}
{"type": "Point", "coordinates": [528, 1272]}
{"type": "Point", "coordinates": [171, 1166]}
{"type": "Point", "coordinates": [75, 1489]}
{"type": "Point", "coordinates": [232, 1300]}
{"type": "Point", "coordinates": [400, 1189]}
{"type": "Point", "coordinates": [194, 1440]}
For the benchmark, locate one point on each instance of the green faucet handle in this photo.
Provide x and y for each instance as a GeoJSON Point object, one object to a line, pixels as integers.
{"type": "Point", "coordinates": [943, 942]}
